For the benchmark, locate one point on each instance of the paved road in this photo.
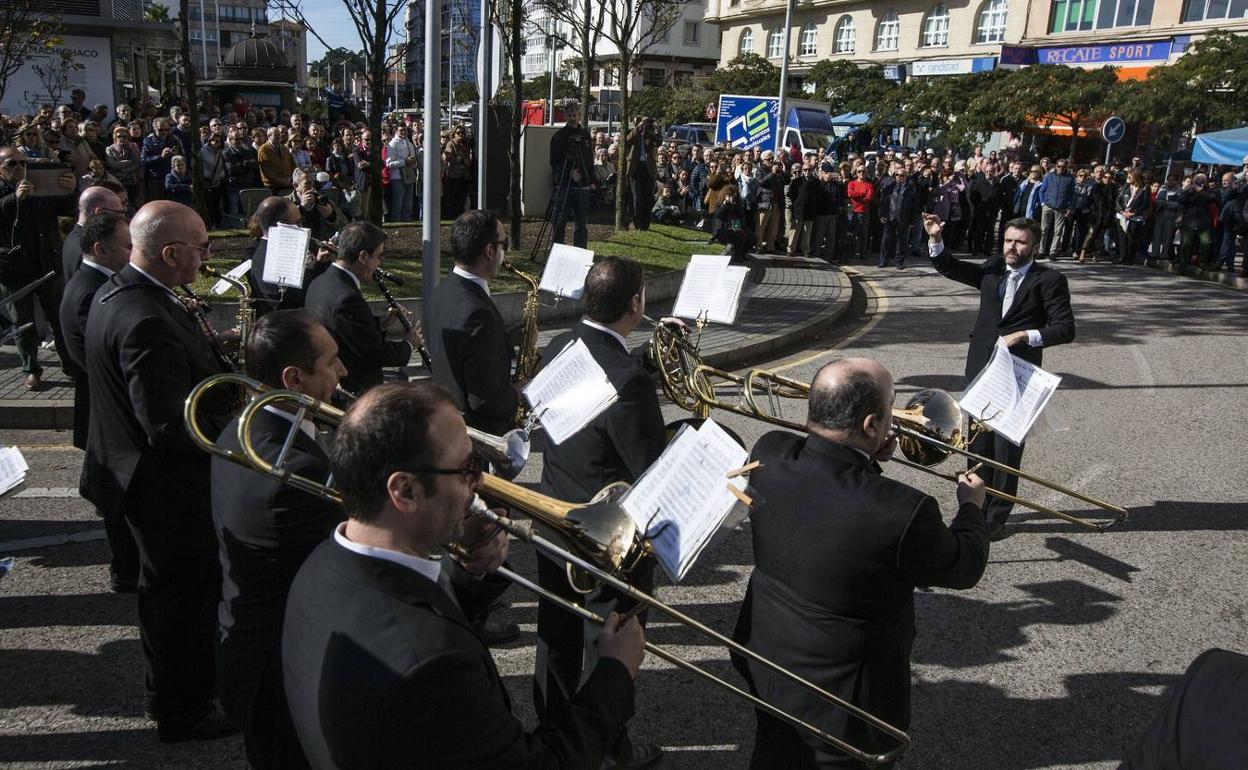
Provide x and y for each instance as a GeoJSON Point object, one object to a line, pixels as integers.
{"type": "Point", "coordinates": [1057, 659]}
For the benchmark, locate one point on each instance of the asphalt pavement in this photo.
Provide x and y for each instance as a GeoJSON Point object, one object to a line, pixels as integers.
{"type": "Point", "coordinates": [1057, 659]}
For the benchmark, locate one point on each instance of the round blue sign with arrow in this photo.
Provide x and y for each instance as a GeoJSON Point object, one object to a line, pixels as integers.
{"type": "Point", "coordinates": [1114, 129]}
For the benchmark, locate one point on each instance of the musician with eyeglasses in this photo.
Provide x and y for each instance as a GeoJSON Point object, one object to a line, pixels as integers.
{"type": "Point", "coordinates": [838, 551]}
{"type": "Point", "coordinates": [29, 248]}
{"type": "Point", "coordinates": [273, 211]}
{"type": "Point", "coordinates": [144, 355]}
{"type": "Point", "coordinates": [382, 667]}
{"type": "Point", "coordinates": [336, 299]}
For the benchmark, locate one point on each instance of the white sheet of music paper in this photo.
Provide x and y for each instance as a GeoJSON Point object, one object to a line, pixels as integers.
{"type": "Point", "coordinates": [286, 255]}
{"type": "Point", "coordinates": [565, 272]}
{"type": "Point", "coordinates": [569, 392]}
{"type": "Point", "coordinates": [12, 468]}
{"type": "Point", "coordinates": [221, 287]}
{"type": "Point", "coordinates": [681, 501]}
{"type": "Point", "coordinates": [1009, 394]}
{"type": "Point", "coordinates": [711, 289]}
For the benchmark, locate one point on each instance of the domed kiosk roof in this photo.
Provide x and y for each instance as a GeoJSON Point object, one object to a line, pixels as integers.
{"type": "Point", "coordinates": [256, 58]}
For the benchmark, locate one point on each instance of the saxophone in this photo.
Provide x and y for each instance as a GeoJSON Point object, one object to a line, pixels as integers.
{"type": "Point", "coordinates": [527, 358]}
{"type": "Point", "coordinates": [246, 313]}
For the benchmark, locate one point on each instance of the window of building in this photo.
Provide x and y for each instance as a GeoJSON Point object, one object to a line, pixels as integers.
{"type": "Point", "coordinates": [1084, 15]}
{"type": "Point", "coordinates": [652, 76]}
{"type": "Point", "coordinates": [990, 27]}
{"type": "Point", "coordinates": [936, 28]}
{"type": "Point", "coordinates": [845, 35]}
{"type": "Point", "coordinates": [775, 43]}
{"type": "Point", "coordinates": [746, 42]}
{"type": "Point", "coordinates": [809, 40]}
{"type": "Point", "coordinates": [888, 32]}
{"type": "Point", "coordinates": [1204, 10]}
{"type": "Point", "coordinates": [733, 3]}
{"type": "Point", "coordinates": [691, 32]}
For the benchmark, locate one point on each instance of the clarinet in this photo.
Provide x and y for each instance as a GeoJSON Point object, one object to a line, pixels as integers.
{"type": "Point", "coordinates": [403, 319]}
{"type": "Point", "coordinates": [202, 307]}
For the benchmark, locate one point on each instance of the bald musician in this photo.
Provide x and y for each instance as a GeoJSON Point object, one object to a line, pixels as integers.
{"type": "Point", "coordinates": [838, 550]}
{"type": "Point", "coordinates": [144, 354]}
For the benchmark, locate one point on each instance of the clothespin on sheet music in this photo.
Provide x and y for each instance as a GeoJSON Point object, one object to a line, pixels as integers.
{"type": "Point", "coordinates": [743, 470]}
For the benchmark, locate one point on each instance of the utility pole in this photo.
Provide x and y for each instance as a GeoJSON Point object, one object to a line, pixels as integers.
{"type": "Point", "coordinates": [550, 46]}
{"type": "Point", "coordinates": [431, 177]}
{"type": "Point", "coordinates": [485, 88]}
{"type": "Point", "coordinates": [784, 74]}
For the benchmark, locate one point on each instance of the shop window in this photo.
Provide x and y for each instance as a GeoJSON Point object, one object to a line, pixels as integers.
{"type": "Point", "coordinates": [888, 32]}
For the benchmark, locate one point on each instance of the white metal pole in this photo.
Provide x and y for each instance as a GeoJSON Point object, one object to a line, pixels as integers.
{"type": "Point", "coordinates": [485, 87]}
{"type": "Point", "coordinates": [550, 46]}
{"type": "Point", "coordinates": [784, 74]}
{"type": "Point", "coordinates": [203, 43]}
{"type": "Point", "coordinates": [431, 190]}
{"type": "Point", "coordinates": [450, 60]}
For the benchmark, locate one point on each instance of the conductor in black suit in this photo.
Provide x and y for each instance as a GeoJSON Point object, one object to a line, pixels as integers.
{"type": "Point", "coordinates": [471, 356]}
{"type": "Point", "coordinates": [105, 248]}
{"type": "Point", "coordinates": [336, 299]}
{"type": "Point", "coordinates": [838, 551]}
{"type": "Point", "coordinates": [1024, 304]}
{"type": "Point", "coordinates": [266, 529]}
{"type": "Point", "coordinates": [617, 445]}
{"type": "Point", "coordinates": [383, 670]}
{"type": "Point", "coordinates": [144, 354]}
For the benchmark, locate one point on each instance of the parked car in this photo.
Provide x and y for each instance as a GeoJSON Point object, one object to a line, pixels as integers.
{"type": "Point", "coordinates": [688, 134]}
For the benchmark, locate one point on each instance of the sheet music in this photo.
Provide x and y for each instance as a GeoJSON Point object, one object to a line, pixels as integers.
{"type": "Point", "coordinates": [569, 392]}
{"type": "Point", "coordinates": [681, 501]}
{"type": "Point", "coordinates": [711, 288]}
{"type": "Point", "coordinates": [12, 468]}
{"type": "Point", "coordinates": [565, 271]}
{"type": "Point", "coordinates": [221, 287]}
{"type": "Point", "coordinates": [286, 255]}
{"type": "Point", "coordinates": [1009, 394]}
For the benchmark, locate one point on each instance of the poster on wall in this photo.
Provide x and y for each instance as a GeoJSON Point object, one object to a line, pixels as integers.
{"type": "Point", "coordinates": [27, 88]}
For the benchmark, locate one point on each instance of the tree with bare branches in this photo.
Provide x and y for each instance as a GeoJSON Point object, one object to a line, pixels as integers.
{"type": "Point", "coordinates": [578, 27]}
{"type": "Point", "coordinates": [374, 22]}
{"type": "Point", "coordinates": [26, 29]}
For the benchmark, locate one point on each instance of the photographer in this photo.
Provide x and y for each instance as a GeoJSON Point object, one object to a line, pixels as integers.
{"type": "Point", "coordinates": [316, 211]}
{"type": "Point", "coordinates": [28, 249]}
{"type": "Point", "coordinates": [641, 145]}
{"type": "Point", "coordinates": [570, 164]}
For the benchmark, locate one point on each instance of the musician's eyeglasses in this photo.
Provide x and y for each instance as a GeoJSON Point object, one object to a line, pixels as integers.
{"type": "Point", "coordinates": [207, 249]}
{"type": "Point", "coordinates": [474, 467]}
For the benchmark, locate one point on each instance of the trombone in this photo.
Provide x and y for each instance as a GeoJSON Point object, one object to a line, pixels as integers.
{"type": "Point", "coordinates": [929, 427]}
{"type": "Point", "coordinates": [597, 540]}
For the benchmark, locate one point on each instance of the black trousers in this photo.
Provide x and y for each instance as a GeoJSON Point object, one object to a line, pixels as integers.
{"type": "Point", "coordinates": [564, 641]}
{"type": "Point", "coordinates": [179, 586]}
{"type": "Point", "coordinates": [642, 187]}
{"type": "Point", "coordinates": [268, 731]}
{"type": "Point", "coordinates": [996, 447]}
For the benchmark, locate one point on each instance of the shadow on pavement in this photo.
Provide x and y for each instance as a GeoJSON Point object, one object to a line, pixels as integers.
{"type": "Point", "coordinates": [1161, 516]}
{"type": "Point", "coordinates": [103, 609]}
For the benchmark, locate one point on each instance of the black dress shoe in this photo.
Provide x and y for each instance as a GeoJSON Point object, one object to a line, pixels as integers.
{"type": "Point", "coordinates": [495, 632]}
{"type": "Point", "coordinates": [997, 530]}
{"type": "Point", "coordinates": [639, 755]}
{"type": "Point", "coordinates": [213, 725]}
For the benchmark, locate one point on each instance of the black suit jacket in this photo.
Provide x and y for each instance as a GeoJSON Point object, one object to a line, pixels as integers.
{"type": "Point", "coordinates": [362, 345]}
{"type": "Point", "coordinates": [1041, 302]}
{"type": "Point", "coordinates": [266, 296]}
{"type": "Point", "coordinates": [471, 355]}
{"type": "Point", "coordinates": [71, 252]}
{"type": "Point", "coordinates": [144, 355]}
{"type": "Point", "coordinates": [838, 551]}
{"type": "Point", "coordinates": [265, 531]}
{"type": "Point", "coordinates": [621, 442]}
{"type": "Point", "coordinates": [75, 306]}
{"type": "Point", "coordinates": [384, 671]}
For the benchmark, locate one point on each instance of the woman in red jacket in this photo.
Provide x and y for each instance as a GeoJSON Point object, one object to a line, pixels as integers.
{"type": "Point", "coordinates": [861, 193]}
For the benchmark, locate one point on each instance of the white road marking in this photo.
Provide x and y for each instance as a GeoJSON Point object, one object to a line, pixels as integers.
{"type": "Point", "coordinates": [48, 492]}
{"type": "Point", "coordinates": [85, 536]}
{"type": "Point", "coordinates": [1141, 363]}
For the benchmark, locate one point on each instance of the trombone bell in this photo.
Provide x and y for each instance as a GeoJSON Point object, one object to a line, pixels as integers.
{"type": "Point", "coordinates": [935, 414]}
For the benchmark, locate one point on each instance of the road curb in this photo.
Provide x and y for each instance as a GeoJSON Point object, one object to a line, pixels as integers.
{"type": "Point", "coordinates": [17, 414]}
{"type": "Point", "coordinates": [1229, 279]}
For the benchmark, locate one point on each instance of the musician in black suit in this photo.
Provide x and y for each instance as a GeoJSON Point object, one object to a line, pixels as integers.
{"type": "Point", "coordinates": [96, 199]}
{"type": "Point", "coordinates": [144, 355]}
{"type": "Point", "coordinates": [383, 670]}
{"type": "Point", "coordinates": [272, 211]}
{"type": "Point", "coordinates": [105, 244]}
{"type": "Point", "coordinates": [838, 551]}
{"type": "Point", "coordinates": [617, 445]}
{"type": "Point", "coordinates": [468, 344]}
{"type": "Point", "coordinates": [265, 529]}
{"type": "Point", "coordinates": [1021, 302]}
{"type": "Point", "coordinates": [336, 299]}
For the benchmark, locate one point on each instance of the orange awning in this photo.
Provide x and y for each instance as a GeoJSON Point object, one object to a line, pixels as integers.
{"type": "Point", "coordinates": [1133, 73]}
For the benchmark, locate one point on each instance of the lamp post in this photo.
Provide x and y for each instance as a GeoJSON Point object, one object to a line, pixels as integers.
{"type": "Point", "coordinates": [485, 90]}
{"type": "Point", "coordinates": [431, 178]}
{"type": "Point", "coordinates": [784, 73]}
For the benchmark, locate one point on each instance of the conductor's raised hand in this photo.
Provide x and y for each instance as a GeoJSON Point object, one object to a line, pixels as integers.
{"type": "Point", "coordinates": [933, 227]}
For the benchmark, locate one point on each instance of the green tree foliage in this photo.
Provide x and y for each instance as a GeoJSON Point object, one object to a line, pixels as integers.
{"type": "Point", "coordinates": [156, 12]}
{"type": "Point", "coordinates": [25, 31]}
{"type": "Point", "coordinates": [961, 109]}
{"type": "Point", "coordinates": [1207, 88]}
{"type": "Point", "coordinates": [850, 88]}
{"type": "Point", "coordinates": [539, 88]}
{"type": "Point", "coordinates": [747, 74]}
{"type": "Point", "coordinates": [465, 92]}
{"type": "Point", "coordinates": [1054, 95]}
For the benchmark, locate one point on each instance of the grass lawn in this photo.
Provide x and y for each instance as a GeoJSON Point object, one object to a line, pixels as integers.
{"type": "Point", "coordinates": [660, 249]}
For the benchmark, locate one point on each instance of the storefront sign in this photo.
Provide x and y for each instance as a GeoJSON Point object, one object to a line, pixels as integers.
{"type": "Point", "coordinates": [952, 66]}
{"type": "Point", "coordinates": [895, 72]}
{"type": "Point", "coordinates": [1117, 53]}
{"type": "Point", "coordinates": [27, 88]}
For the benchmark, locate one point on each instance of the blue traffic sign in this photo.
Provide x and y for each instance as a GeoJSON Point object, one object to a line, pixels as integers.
{"type": "Point", "coordinates": [1113, 130]}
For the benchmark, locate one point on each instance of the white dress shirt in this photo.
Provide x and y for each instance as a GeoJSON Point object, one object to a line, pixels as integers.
{"type": "Point", "coordinates": [607, 329]}
{"type": "Point", "coordinates": [478, 280]}
{"type": "Point", "coordinates": [354, 279]}
{"type": "Point", "coordinates": [100, 268]}
{"type": "Point", "coordinates": [427, 568]}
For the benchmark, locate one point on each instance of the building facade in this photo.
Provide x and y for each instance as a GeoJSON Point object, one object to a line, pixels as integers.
{"type": "Point", "coordinates": [457, 46]}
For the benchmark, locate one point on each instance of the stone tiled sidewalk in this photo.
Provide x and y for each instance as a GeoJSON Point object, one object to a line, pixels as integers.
{"type": "Point", "coordinates": [788, 301]}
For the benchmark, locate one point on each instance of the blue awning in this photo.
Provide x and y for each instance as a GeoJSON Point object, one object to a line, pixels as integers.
{"type": "Point", "coordinates": [1227, 148]}
{"type": "Point", "coordinates": [850, 119]}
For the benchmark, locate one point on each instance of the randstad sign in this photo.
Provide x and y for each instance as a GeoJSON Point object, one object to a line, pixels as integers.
{"type": "Point", "coordinates": [1117, 53]}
